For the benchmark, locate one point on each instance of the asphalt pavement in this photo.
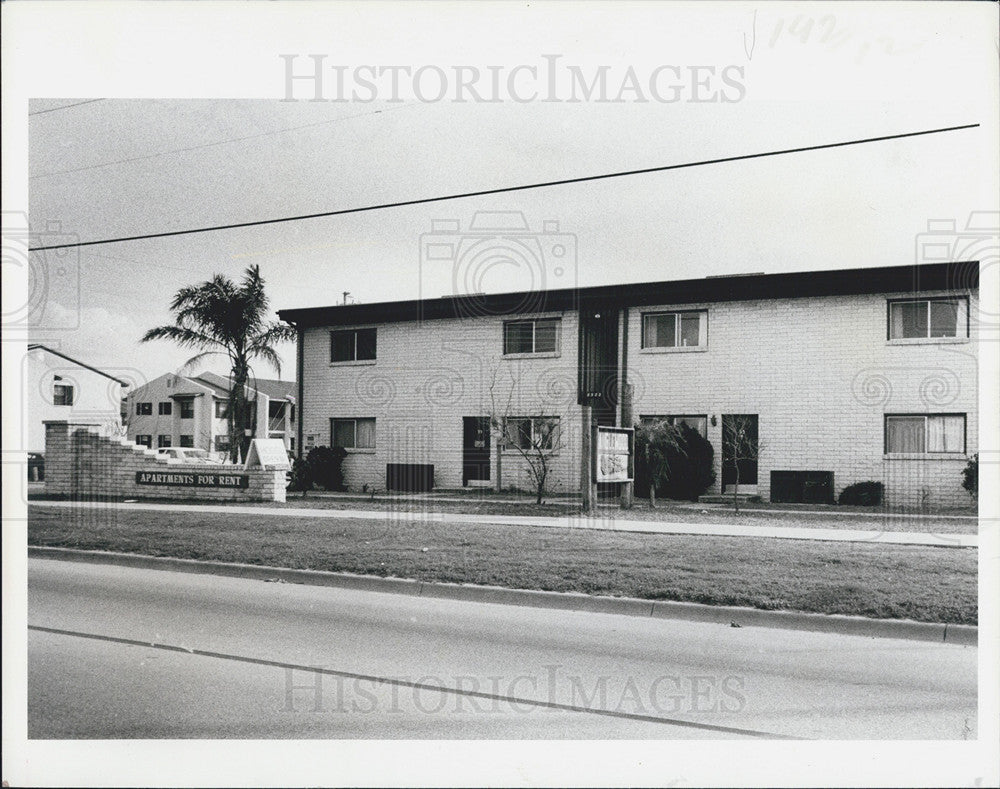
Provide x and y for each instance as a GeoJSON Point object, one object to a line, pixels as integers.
{"type": "Point", "coordinates": [118, 652]}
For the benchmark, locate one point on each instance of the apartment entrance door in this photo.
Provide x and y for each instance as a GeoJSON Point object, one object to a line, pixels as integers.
{"type": "Point", "coordinates": [475, 449]}
{"type": "Point", "coordinates": [739, 449]}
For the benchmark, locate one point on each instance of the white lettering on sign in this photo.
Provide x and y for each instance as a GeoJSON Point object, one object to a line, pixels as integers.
{"type": "Point", "coordinates": [612, 442]}
{"type": "Point", "coordinates": [192, 480]}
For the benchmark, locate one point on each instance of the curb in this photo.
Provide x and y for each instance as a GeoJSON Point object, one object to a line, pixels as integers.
{"type": "Point", "coordinates": [565, 601]}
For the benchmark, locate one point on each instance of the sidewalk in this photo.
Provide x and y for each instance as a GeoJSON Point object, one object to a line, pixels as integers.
{"type": "Point", "coordinates": [601, 521]}
{"type": "Point", "coordinates": [612, 504]}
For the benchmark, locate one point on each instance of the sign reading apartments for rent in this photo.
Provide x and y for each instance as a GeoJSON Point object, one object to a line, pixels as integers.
{"type": "Point", "coordinates": [192, 479]}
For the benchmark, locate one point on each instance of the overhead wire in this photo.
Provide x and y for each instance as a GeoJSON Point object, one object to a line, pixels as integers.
{"type": "Point", "coordinates": [504, 189]}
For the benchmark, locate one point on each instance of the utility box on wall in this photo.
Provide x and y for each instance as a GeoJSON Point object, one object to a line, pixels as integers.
{"type": "Point", "coordinates": [802, 487]}
{"type": "Point", "coordinates": [409, 477]}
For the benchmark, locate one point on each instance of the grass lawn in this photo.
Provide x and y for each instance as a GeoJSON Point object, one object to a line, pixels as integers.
{"type": "Point", "coordinates": [672, 512]}
{"type": "Point", "coordinates": [884, 581]}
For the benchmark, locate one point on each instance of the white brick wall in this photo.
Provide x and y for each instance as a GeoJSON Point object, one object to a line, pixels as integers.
{"type": "Point", "coordinates": [819, 372]}
{"type": "Point", "coordinates": [821, 375]}
{"type": "Point", "coordinates": [427, 377]}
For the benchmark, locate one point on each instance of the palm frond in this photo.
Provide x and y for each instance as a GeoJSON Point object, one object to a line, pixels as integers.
{"type": "Point", "coordinates": [190, 364]}
{"type": "Point", "coordinates": [271, 357]}
{"type": "Point", "coordinates": [184, 336]}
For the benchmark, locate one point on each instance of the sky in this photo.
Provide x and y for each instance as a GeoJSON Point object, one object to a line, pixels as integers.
{"type": "Point", "coordinates": [771, 76]}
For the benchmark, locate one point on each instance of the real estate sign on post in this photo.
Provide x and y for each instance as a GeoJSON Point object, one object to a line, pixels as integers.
{"type": "Point", "coordinates": [613, 454]}
{"type": "Point", "coordinates": [269, 453]}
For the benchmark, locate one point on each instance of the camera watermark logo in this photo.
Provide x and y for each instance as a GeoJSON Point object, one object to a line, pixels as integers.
{"type": "Point", "coordinates": [972, 248]}
{"type": "Point", "coordinates": [499, 253]}
{"type": "Point", "coordinates": [51, 300]}
{"type": "Point", "coordinates": [937, 387]}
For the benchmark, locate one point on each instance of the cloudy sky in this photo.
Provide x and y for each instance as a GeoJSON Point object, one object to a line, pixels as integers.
{"type": "Point", "coordinates": [165, 147]}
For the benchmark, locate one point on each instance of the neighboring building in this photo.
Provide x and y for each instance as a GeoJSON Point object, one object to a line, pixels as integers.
{"type": "Point", "coordinates": [191, 411]}
{"type": "Point", "coordinates": [61, 387]}
{"type": "Point", "coordinates": [845, 376]}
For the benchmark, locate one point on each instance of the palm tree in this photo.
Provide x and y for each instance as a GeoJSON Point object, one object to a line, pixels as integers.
{"type": "Point", "coordinates": [223, 317]}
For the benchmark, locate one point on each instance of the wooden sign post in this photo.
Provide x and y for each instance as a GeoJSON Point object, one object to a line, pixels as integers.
{"type": "Point", "coordinates": [587, 484]}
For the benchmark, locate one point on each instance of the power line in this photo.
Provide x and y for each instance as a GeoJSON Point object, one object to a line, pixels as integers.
{"type": "Point", "coordinates": [504, 190]}
{"type": "Point", "coordinates": [64, 107]}
{"type": "Point", "coordinates": [190, 148]}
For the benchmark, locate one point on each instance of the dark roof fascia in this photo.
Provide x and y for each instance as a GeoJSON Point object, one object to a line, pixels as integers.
{"type": "Point", "coordinates": [744, 287]}
{"type": "Point", "coordinates": [77, 362]}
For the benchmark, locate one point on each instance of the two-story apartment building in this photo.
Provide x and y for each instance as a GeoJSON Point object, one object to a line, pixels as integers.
{"type": "Point", "coordinates": [837, 377]}
{"type": "Point", "coordinates": [191, 411]}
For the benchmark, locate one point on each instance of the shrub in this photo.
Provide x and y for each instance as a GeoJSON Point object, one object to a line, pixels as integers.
{"type": "Point", "coordinates": [652, 441]}
{"type": "Point", "coordinates": [676, 460]}
{"type": "Point", "coordinates": [689, 466]}
{"type": "Point", "coordinates": [300, 478]}
{"type": "Point", "coordinates": [325, 467]}
{"type": "Point", "coordinates": [970, 476]}
{"type": "Point", "coordinates": [867, 494]}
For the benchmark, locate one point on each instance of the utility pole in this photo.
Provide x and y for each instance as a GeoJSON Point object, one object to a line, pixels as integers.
{"type": "Point", "coordinates": [586, 460]}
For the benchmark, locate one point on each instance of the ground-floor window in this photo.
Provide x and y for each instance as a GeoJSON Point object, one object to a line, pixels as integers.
{"type": "Point", "coordinates": [187, 441]}
{"type": "Point", "coordinates": [163, 441]}
{"type": "Point", "coordinates": [532, 432]}
{"type": "Point", "coordinates": [697, 422]}
{"type": "Point", "coordinates": [221, 443]}
{"type": "Point", "coordinates": [145, 440]}
{"type": "Point", "coordinates": [924, 433]}
{"type": "Point", "coordinates": [353, 433]}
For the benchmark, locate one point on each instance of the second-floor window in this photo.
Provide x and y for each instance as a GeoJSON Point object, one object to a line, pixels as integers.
{"type": "Point", "coordinates": [143, 409]}
{"type": "Point", "coordinates": [166, 408]}
{"type": "Point", "coordinates": [187, 409]}
{"type": "Point", "coordinates": [62, 394]}
{"type": "Point", "coordinates": [686, 329]}
{"type": "Point", "coordinates": [221, 409]}
{"type": "Point", "coordinates": [352, 345]}
{"type": "Point", "coordinates": [929, 318]}
{"type": "Point", "coordinates": [534, 336]}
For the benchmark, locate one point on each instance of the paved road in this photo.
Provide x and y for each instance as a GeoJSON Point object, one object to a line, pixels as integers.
{"type": "Point", "coordinates": [249, 659]}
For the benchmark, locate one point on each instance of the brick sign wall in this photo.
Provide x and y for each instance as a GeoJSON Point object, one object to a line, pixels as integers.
{"type": "Point", "coordinates": [81, 463]}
